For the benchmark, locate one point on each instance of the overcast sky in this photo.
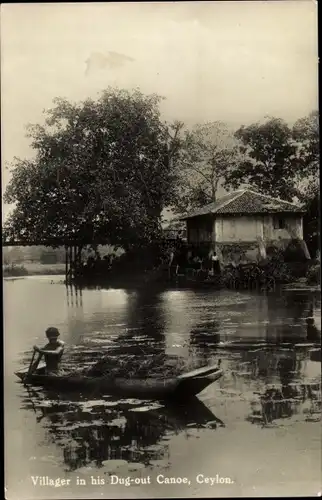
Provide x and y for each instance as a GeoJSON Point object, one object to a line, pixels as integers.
{"type": "Point", "coordinates": [230, 61]}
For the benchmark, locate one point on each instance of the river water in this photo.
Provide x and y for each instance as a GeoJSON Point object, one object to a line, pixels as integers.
{"type": "Point", "coordinates": [256, 431]}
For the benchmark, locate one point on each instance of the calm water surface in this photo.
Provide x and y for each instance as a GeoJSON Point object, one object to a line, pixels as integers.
{"type": "Point", "coordinates": [259, 426]}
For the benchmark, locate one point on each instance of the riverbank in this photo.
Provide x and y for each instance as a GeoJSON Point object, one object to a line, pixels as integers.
{"type": "Point", "coordinates": [301, 286]}
{"type": "Point", "coordinates": [32, 269]}
{"type": "Point", "coordinates": [138, 279]}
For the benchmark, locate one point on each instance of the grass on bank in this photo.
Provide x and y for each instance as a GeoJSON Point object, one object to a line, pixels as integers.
{"type": "Point", "coordinates": [32, 269]}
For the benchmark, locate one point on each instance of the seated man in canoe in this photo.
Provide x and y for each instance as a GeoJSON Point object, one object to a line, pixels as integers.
{"type": "Point", "coordinates": [52, 352]}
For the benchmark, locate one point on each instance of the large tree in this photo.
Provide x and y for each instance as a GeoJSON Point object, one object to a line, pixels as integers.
{"type": "Point", "coordinates": [208, 153]}
{"type": "Point", "coordinates": [306, 134]}
{"type": "Point", "coordinates": [270, 160]}
{"type": "Point", "coordinates": [102, 173]}
{"type": "Point", "coordinates": [278, 159]}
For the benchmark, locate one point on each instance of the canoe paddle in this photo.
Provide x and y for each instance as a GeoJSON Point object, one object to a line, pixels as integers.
{"type": "Point", "coordinates": [30, 366]}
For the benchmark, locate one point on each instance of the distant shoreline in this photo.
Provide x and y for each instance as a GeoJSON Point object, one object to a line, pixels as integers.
{"type": "Point", "coordinates": [30, 269]}
{"type": "Point", "coordinates": [26, 269]}
{"type": "Point", "coordinates": [299, 287]}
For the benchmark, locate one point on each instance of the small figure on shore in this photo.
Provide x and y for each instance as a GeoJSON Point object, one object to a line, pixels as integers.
{"type": "Point", "coordinates": [52, 352]}
{"type": "Point", "coordinates": [170, 262]}
{"type": "Point", "coordinates": [181, 259]}
{"type": "Point", "coordinates": [215, 264]}
{"type": "Point", "coordinates": [312, 330]}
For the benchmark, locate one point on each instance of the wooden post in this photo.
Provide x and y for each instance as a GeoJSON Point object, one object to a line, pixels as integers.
{"type": "Point", "coordinates": [66, 264]}
{"type": "Point", "coordinates": [75, 260]}
{"type": "Point", "coordinates": [70, 261]}
{"type": "Point", "coordinates": [71, 295]}
{"type": "Point", "coordinates": [67, 294]}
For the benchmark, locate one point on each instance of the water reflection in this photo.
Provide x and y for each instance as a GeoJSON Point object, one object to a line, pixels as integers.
{"type": "Point", "coordinates": [205, 334]}
{"type": "Point", "coordinates": [279, 383]}
{"type": "Point", "coordinates": [146, 314]}
{"type": "Point", "coordinates": [74, 296]}
{"type": "Point", "coordinates": [91, 432]}
{"type": "Point", "coordinates": [141, 339]}
{"type": "Point", "coordinates": [296, 401]}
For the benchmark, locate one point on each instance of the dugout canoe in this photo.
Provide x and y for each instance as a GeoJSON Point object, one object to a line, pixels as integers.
{"type": "Point", "coordinates": [184, 386]}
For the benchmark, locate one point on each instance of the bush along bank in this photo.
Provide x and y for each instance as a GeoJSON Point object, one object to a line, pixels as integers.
{"type": "Point", "coordinates": [32, 269]}
{"type": "Point", "coordinates": [253, 275]}
{"type": "Point", "coordinates": [311, 279]}
{"type": "Point", "coordinates": [14, 270]}
{"type": "Point", "coordinates": [313, 275]}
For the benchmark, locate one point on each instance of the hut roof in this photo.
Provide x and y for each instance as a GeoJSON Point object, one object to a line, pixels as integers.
{"type": "Point", "coordinates": [246, 201]}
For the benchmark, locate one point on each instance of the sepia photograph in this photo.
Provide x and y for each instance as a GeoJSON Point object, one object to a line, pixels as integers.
{"type": "Point", "coordinates": [161, 250]}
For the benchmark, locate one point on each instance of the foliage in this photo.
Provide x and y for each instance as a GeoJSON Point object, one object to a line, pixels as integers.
{"type": "Point", "coordinates": [266, 275]}
{"type": "Point", "coordinates": [102, 172]}
{"type": "Point", "coordinates": [311, 219]}
{"type": "Point", "coordinates": [6, 259]}
{"type": "Point", "coordinates": [33, 269]}
{"type": "Point", "coordinates": [13, 270]}
{"type": "Point", "coordinates": [313, 276]}
{"type": "Point", "coordinates": [306, 134]}
{"type": "Point", "coordinates": [49, 257]}
{"type": "Point", "coordinates": [279, 160]}
{"type": "Point", "coordinates": [208, 153]}
{"type": "Point", "coordinates": [270, 159]}
{"type": "Point", "coordinates": [13, 255]}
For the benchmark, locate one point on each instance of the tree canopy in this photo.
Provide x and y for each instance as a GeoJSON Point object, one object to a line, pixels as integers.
{"type": "Point", "coordinates": [306, 134]}
{"type": "Point", "coordinates": [104, 169]}
{"type": "Point", "coordinates": [102, 172]}
{"type": "Point", "coordinates": [311, 220]}
{"type": "Point", "coordinates": [208, 153]}
{"type": "Point", "coordinates": [278, 158]}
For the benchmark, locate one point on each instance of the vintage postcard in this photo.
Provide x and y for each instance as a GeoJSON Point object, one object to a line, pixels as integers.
{"type": "Point", "coordinates": [161, 250]}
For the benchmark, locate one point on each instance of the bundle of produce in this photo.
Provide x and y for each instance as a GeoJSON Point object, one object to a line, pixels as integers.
{"type": "Point", "coordinates": [140, 367]}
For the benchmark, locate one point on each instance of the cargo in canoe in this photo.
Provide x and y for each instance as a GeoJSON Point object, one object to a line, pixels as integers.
{"type": "Point", "coordinates": [183, 386]}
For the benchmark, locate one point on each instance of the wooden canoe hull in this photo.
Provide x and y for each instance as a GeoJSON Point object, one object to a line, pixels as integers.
{"type": "Point", "coordinates": [149, 388]}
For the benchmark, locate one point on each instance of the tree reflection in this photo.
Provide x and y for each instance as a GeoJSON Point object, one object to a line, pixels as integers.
{"type": "Point", "coordinates": [142, 342]}
{"type": "Point", "coordinates": [313, 333]}
{"type": "Point", "coordinates": [90, 432]}
{"type": "Point", "coordinates": [146, 314]}
{"type": "Point", "coordinates": [290, 397]}
{"type": "Point", "coordinates": [286, 318]}
{"type": "Point", "coordinates": [285, 402]}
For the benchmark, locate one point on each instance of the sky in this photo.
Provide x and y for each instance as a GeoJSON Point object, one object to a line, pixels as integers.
{"type": "Point", "coordinates": [237, 62]}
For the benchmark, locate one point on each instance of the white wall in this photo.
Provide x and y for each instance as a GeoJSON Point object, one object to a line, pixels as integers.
{"type": "Point", "coordinates": [250, 228]}
{"type": "Point", "coordinates": [234, 229]}
{"type": "Point", "coordinates": [293, 229]}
